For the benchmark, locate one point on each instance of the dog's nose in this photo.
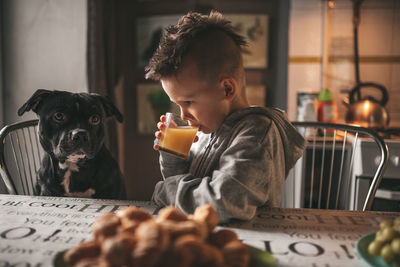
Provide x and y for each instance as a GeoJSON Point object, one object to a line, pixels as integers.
{"type": "Point", "coordinates": [79, 135]}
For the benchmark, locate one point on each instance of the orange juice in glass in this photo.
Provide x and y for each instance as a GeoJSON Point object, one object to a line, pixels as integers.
{"type": "Point", "coordinates": [177, 137]}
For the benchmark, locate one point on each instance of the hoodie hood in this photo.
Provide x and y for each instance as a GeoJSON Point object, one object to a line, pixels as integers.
{"type": "Point", "coordinates": [293, 142]}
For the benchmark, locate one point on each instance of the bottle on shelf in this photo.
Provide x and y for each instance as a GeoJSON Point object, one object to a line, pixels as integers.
{"type": "Point", "coordinates": [327, 109]}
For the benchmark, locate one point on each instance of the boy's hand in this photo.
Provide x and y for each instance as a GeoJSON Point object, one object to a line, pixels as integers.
{"type": "Point", "coordinates": [161, 126]}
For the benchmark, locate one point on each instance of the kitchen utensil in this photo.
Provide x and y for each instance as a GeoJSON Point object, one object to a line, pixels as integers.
{"type": "Point", "coordinates": [367, 111]}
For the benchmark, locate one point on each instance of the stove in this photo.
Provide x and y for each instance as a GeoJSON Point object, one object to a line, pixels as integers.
{"type": "Point", "coordinates": [387, 197]}
{"type": "Point", "coordinates": [365, 163]}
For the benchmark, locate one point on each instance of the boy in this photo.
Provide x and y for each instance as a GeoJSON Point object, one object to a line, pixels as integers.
{"type": "Point", "coordinates": [243, 153]}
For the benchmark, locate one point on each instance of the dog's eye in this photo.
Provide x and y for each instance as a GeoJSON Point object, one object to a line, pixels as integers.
{"type": "Point", "coordinates": [94, 119]}
{"type": "Point", "coordinates": [59, 117]}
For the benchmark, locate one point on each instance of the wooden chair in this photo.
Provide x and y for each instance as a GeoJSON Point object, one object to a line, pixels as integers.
{"type": "Point", "coordinates": [20, 157]}
{"type": "Point", "coordinates": [325, 176]}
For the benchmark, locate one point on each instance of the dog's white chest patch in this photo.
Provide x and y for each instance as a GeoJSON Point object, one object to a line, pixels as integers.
{"type": "Point", "coordinates": [73, 158]}
{"type": "Point", "coordinates": [71, 166]}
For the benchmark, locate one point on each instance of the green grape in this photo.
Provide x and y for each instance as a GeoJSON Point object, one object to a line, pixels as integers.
{"type": "Point", "coordinates": [378, 236]}
{"type": "Point", "coordinates": [387, 242]}
{"type": "Point", "coordinates": [375, 247]}
{"type": "Point", "coordinates": [388, 234]}
{"type": "Point", "coordinates": [387, 253]}
{"type": "Point", "coordinates": [385, 223]}
{"type": "Point", "coordinates": [395, 244]}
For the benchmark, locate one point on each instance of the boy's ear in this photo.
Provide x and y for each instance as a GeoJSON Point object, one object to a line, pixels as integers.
{"type": "Point", "coordinates": [230, 87]}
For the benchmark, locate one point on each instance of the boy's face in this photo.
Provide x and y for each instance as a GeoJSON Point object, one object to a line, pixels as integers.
{"type": "Point", "coordinates": [201, 103]}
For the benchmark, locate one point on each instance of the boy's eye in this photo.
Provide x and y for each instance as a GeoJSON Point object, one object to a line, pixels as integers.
{"type": "Point", "coordinates": [94, 119]}
{"type": "Point", "coordinates": [59, 117]}
{"type": "Point", "coordinates": [187, 102]}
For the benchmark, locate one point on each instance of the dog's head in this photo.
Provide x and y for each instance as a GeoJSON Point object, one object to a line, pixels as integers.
{"type": "Point", "coordinates": [71, 125]}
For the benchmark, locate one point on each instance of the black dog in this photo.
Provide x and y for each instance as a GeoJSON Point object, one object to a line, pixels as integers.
{"type": "Point", "coordinates": [71, 132]}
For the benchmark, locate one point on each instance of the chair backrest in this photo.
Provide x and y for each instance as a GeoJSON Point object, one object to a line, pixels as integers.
{"type": "Point", "coordinates": [324, 178]}
{"type": "Point", "coordinates": [20, 157]}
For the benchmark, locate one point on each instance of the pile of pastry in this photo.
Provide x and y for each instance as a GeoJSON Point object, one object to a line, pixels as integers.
{"type": "Point", "coordinates": [132, 237]}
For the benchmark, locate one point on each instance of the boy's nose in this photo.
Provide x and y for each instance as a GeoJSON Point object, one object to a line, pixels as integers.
{"type": "Point", "coordinates": [184, 115]}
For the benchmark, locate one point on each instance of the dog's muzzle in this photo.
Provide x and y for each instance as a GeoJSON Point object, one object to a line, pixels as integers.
{"type": "Point", "coordinates": [76, 143]}
{"type": "Point", "coordinates": [79, 136]}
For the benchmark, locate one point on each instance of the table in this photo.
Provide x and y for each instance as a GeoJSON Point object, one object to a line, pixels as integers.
{"type": "Point", "coordinates": [34, 229]}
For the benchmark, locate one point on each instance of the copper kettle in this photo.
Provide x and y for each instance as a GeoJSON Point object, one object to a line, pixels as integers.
{"type": "Point", "coordinates": [368, 111]}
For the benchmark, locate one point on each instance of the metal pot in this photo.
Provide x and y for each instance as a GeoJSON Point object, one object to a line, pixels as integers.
{"type": "Point", "coordinates": [368, 111]}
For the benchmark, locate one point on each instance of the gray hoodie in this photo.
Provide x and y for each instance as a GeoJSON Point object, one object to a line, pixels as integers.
{"type": "Point", "coordinates": [240, 167]}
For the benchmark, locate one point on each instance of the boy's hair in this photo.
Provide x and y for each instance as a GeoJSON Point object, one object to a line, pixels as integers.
{"type": "Point", "coordinates": [208, 41]}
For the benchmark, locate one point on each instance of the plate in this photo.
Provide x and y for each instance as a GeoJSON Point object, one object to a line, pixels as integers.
{"type": "Point", "coordinates": [362, 250]}
{"type": "Point", "coordinates": [258, 258]}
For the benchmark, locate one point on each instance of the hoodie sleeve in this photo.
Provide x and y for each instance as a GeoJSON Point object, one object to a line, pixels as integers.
{"type": "Point", "coordinates": [247, 171]}
{"type": "Point", "coordinates": [171, 166]}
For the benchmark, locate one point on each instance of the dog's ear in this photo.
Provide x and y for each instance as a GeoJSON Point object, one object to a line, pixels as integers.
{"type": "Point", "coordinates": [34, 102]}
{"type": "Point", "coordinates": [109, 107]}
